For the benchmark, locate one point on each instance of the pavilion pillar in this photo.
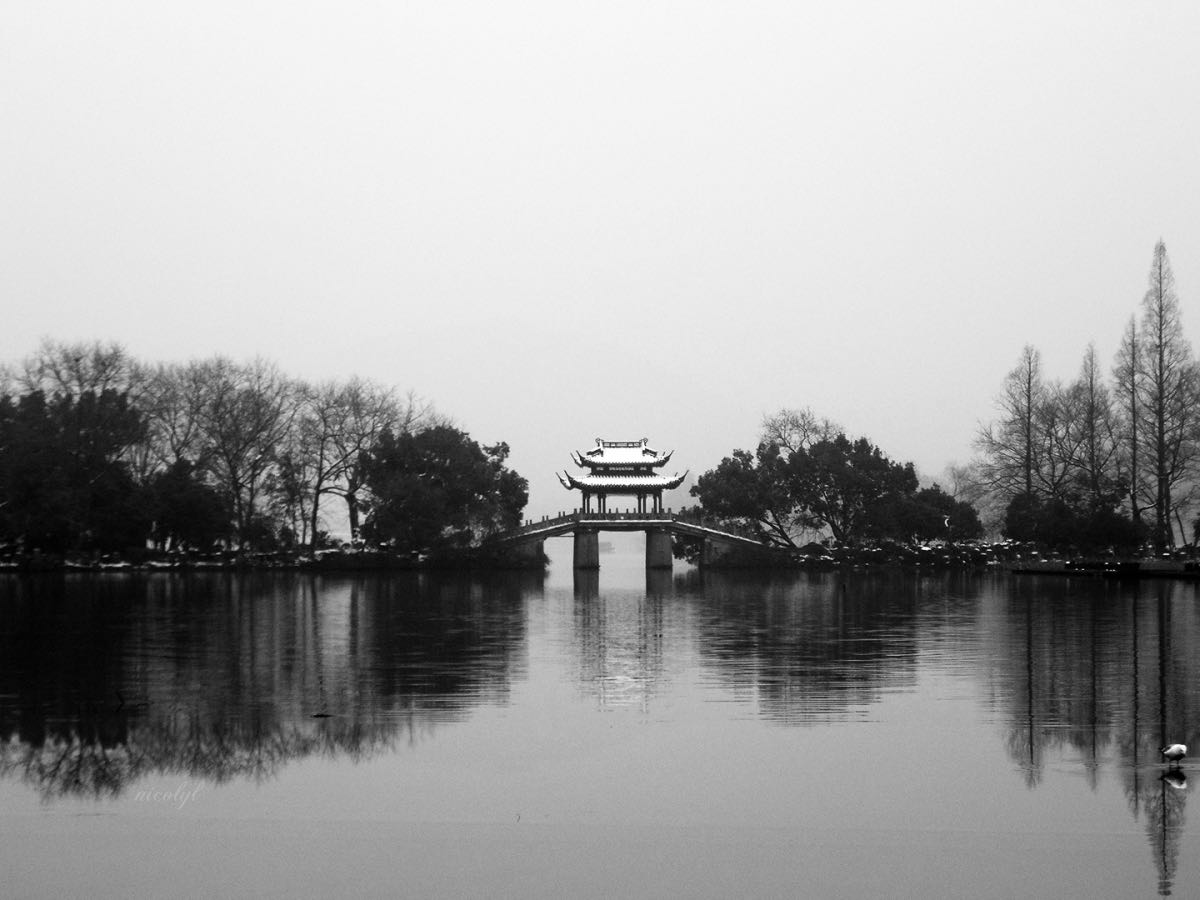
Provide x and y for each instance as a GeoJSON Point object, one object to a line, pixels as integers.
{"type": "Point", "coordinates": [587, 548]}
{"type": "Point", "coordinates": [658, 548]}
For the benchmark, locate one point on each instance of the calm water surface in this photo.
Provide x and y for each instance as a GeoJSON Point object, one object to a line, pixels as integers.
{"type": "Point", "coordinates": [619, 733]}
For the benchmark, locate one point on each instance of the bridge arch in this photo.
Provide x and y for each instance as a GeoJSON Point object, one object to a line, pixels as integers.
{"type": "Point", "coordinates": [586, 527]}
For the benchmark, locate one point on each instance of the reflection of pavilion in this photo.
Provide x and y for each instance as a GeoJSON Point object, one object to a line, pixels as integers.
{"type": "Point", "coordinates": [620, 637]}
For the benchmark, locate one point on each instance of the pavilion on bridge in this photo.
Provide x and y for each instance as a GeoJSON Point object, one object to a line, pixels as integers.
{"type": "Point", "coordinates": [621, 468]}
{"type": "Point", "coordinates": [629, 468]}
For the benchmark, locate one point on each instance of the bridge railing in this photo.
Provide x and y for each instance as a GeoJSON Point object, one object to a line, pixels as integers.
{"type": "Point", "coordinates": [695, 517]}
{"type": "Point", "coordinates": [688, 517]}
{"type": "Point", "coordinates": [576, 515]}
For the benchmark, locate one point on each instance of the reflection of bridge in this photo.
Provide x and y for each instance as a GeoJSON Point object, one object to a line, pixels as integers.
{"type": "Point", "coordinates": [659, 528]}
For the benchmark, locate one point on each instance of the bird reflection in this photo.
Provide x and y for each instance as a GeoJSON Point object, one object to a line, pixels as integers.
{"type": "Point", "coordinates": [1176, 779]}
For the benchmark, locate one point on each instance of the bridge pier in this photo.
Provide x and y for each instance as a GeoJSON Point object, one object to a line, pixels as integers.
{"type": "Point", "coordinates": [660, 530]}
{"type": "Point", "coordinates": [587, 584]}
{"type": "Point", "coordinates": [658, 583]}
{"type": "Point", "coordinates": [658, 548]}
{"type": "Point", "coordinates": [587, 548]}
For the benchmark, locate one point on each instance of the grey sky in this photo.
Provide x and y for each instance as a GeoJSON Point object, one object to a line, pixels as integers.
{"type": "Point", "coordinates": [561, 221]}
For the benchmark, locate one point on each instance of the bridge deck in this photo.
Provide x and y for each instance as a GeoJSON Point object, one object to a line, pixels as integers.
{"type": "Point", "coordinates": [616, 521]}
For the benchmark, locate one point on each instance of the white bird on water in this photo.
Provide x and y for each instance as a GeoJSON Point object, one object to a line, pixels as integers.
{"type": "Point", "coordinates": [1174, 752]}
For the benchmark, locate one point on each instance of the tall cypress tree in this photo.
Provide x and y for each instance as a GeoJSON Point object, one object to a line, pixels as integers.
{"type": "Point", "coordinates": [1167, 395]}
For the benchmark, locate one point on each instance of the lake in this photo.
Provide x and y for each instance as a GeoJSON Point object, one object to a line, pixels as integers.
{"type": "Point", "coordinates": [596, 734]}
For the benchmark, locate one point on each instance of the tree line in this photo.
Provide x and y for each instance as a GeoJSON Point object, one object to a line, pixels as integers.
{"type": "Point", "coordinates": [100, 452]}
{"type": "Point", "coordinates": [1109, 459]}
{"type": "Point", "coordinates": [807, 478]}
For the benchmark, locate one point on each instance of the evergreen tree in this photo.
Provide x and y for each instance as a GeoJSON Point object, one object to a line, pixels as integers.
{"type": "Point", "coordinates": [437, 491]}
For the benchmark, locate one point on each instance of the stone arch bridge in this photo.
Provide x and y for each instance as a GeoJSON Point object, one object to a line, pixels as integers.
{"type": "Point", "coordinates": [659, 527]}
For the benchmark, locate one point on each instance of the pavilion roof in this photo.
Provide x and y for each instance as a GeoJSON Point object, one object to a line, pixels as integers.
{"type": "Point", "coordinates": [621, 454]}
{"type": "Point", "coordinates": [625, 483]}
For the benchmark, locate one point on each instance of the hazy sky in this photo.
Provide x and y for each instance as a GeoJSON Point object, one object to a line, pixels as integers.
{"type": "Point", "coordinates": [561, 221]}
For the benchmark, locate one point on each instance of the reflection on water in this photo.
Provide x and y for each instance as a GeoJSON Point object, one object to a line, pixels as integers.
{"type": "Point", "coordinates": [107, 680]}
{"type": "Point", "coordinates": [1103, 666]}
{"type": "Point", "coordinates": [809, 648]}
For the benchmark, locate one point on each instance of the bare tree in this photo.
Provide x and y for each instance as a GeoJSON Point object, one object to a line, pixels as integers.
{"type": "Point", "coordinates": [1011, 449]}
{"type": "Point", "coordinates": [173, 398]}
{"type": "Point", "coordinates": [1095, 473]}
{"type": "Point", "coordinates": [795, 429]}
{"type": "Point", "coordinates": [339, 423]}
{"type": "Point", "coordinates": [962, 482]}
{"type": "Point", "coordinates": [1167, 396]}
{"type": "Point", "coordinates": [71, 369]}
{"type": "Point", "coordinates": [245, 418]}
{"type": "Point", "coordinates": [1055, 441]}
{"type": "Point", "coordinates": [1127, 416]}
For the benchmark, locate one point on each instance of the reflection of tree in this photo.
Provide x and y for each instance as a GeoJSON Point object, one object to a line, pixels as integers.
{"type": "Point", "coordinates": [215, 752]}
{"type": "Point", "coordinates": [1164, 827]}
{"type": "Point", "coordinates": [107, 680]}
{"type": "Point", "coordinates": [814, 648]}
{"type": "Point", "coordinates": [1164, 800]}
{"type": "Point", "coordinates": [1060, 672]}
{"type": "Point", "coordinates": [1093, 665]}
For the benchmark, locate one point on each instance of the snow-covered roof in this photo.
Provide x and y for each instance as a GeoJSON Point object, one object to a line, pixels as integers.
{"type": "Point", "coordinates": [622, 454]}
{"type": "Point", "coordinates": [624, 483]}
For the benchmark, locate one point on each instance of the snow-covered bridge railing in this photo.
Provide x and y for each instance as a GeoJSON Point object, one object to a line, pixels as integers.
{"type": "Point", "coordinates": [659, 527]}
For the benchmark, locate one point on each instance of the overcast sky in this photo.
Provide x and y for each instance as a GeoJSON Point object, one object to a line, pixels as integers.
{"type": "Point", "coordinates": [561, 221]}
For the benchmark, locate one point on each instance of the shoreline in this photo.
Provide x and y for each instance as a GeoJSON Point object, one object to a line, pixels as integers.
{"type": "Point", "coordinates": [1126, 568]}
{"type": "Point", "coordinates": [949, 558]}
{"type": "Point", "coordinates": [328, 561]}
